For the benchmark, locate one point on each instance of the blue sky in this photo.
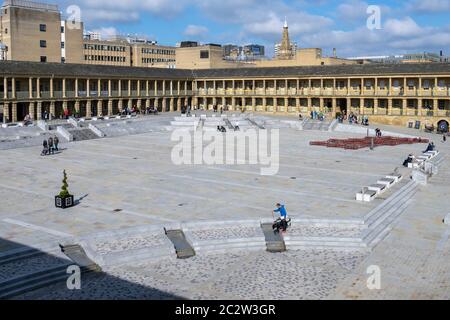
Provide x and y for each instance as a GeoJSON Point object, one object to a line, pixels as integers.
{"type": "Point", "coordinates": [406, 26]}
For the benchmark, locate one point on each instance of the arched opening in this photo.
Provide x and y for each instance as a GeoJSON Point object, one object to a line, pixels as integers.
{"type": "Point", "coordinates": [443, 126]}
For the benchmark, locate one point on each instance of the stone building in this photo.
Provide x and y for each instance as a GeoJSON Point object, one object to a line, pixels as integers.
{"type": "Point", "coordinates": [397, 94]}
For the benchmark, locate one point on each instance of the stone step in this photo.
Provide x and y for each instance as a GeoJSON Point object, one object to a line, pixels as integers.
{"type": "Point", "coordinates": [182, 247]}
{"type": "Point", "coordinates": [30, 282]}
{"type": "Point", "coordinates": [274, 241]}
{"type": "Point", "coordinates": [20, 254]}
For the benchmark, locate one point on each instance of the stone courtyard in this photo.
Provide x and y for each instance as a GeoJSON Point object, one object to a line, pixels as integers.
{"type": "Point", "coordinates": [127, 180]}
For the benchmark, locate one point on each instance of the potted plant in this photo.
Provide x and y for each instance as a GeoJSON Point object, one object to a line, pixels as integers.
{"type": "Point", "coordinates": [64, 199]}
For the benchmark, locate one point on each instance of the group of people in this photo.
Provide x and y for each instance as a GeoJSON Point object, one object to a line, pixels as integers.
{"type": "Point", "coordinates": [221, 129]}
{"type": "Point", "coordinates": [151, 110]}
{"type": "Point", "coordinates": [216, 109]}
{"type": "Point", "coordinates": [50, 146]}
{"type": "Point", "coordinates": [411, 158]}
{"type": "Point", "coordinates": [317, 115]}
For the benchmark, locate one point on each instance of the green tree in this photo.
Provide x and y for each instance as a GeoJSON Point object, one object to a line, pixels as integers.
{"type": "Point", "coordinates": [64, 189]}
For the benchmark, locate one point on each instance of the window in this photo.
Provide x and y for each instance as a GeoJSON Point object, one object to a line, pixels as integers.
{"type": "Point", "coordinates": [62, 45]}
{"type": "Point", "coordinates": [382, 84]}
{"type": "Point", "coordinates": [63, 60]}
{"type": "Point", "coordinates": [62, 29]}
{"type": "Point", "coordinates": [6, 30]}
{"type": "Point", "coordinates": [204, 54]}
{"type": "Point", "coordinates": [43, 44]}
{"type": "Point", "coordinates": [43, 27]}
{"type": "Point", "coordinates": [43, 59]}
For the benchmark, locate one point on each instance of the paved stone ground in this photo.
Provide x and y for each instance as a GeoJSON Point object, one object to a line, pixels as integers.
{"type": "Point", "coordinates": [134, 173]}
{"type": "Point", "coordinates": [291, 275]}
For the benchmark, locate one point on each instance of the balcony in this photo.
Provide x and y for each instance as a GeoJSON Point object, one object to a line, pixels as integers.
{"type": "Point", "coordinates": [115, 93]}
{"type": "Point", "coordinates": [327, 92]}
{"type": "Point", "coordinates": [82, 93]}
{"type": "Point", "coordinates": [94, 93]}
{"type": "Point", "coordinates": [22, 94]}
{"type": "Point", "coordinates": [57, 94]}
{"type": "Point", "coordinates": [104, 93]}
{"type": "Point", "coordinates": [70, 94]}
{"type": "Point", "coordinates": [45, 94]}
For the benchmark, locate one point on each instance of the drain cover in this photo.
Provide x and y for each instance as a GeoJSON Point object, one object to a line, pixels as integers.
{"type": "Point", "coordinates": [117, 210]}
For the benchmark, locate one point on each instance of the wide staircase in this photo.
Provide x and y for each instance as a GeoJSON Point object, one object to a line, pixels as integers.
{"type": "Point", "coordinates": [81, 134]}
{"type": "Point", "coordinates": [317, 125]}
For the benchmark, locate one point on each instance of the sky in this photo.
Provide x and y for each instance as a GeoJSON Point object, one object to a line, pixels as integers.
{"type": "Point", "coordinates": [407, 26]}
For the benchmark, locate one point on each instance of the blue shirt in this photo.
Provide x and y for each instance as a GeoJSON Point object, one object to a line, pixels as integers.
{"type": "Point", "coordinates": [282, 211]}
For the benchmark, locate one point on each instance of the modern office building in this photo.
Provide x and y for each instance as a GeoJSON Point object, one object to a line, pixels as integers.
{"type": "Point", "coordinates": [32, 31]}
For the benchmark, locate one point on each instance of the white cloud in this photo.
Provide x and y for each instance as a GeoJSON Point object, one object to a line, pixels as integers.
{"type": "Point", "coordinates": [429, 6]}
{"type": "Point", "coordinates": [195, 31]}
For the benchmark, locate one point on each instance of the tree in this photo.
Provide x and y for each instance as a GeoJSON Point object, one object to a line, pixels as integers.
{"type": "Point", "coordinates": [64, 189]}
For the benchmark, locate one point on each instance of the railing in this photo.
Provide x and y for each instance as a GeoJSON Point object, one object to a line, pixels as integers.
{"type": "Point", "coordinates": [22, 94]}
{"type": "Point", "coordinates": [57, 94]}
{"type": "Point", "coordinates": [70, 94]}
{"type": "Point", "coordinates": [82, 93]}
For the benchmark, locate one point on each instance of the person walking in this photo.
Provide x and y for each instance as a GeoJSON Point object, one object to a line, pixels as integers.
{"type": "Point", "coordinates": [50, 146]}
{"type": "Point", "coordinates": [45, 148]}
{"type": "Point", "coordinates": [444, 137]}
{"type": "Point", "coordinates": [56, 142]}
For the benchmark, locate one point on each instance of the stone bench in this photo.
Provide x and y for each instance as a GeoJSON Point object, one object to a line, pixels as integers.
{"type": "Point", "coordinates": [379, 188]}
{"type": "Point", "coordinates": [388, 182]}
{"type": "Point", "coordinates": [366, 195]}
{"type": "Point", "coordinates": [396, 176]}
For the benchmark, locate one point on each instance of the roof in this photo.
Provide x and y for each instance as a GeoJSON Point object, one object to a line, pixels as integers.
{"type": "Point", "coordinates": [336, 70]}
{"type": "Point", "coordinates": [38, 69]}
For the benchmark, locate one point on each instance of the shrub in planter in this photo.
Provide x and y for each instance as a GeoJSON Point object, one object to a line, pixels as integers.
{"type": "Point", "coordinates": [64, 199]}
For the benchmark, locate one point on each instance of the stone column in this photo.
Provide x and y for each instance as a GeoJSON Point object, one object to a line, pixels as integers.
{"type": "Point", "coordinates": [109, 88]}
{"type": "Point", "coordinates": [76, 87]}
{"type": "Point", "coordinates": [164, 88]}
{"type": "Point", "coordinates": [164, 104]}
{"type": "Point", "coordinates": [39, 110]}
{"type": "Point", "coordinates": [361, 106]}
{"type": "Point", "coordinates": [286, 104]}
{"type": "Point", "coordinates": [120, 88]}
{"type": "Point", "coordinates": [309, 105]}
{"type": "Point", "coordinates": [147, 103]}
{"type": "Point", "coordinates": [389, 111]}
{"type": "Point", "coordinates": [14, 112]}
{"type": "Point", "coordinates": [64, 88]}
{"type": "Point", "coordinates": [88, 88]}
{"type": "Point", "coordinates": [51, 89]}
{"type": "Point", "coordinates": [349, 106]}
{"type": "Point", "coordinates": [89, 109]}
{"type": "Point", "coordinates": [404, 106]}
{"type": "Point", "coordinates": [179, 104]}
{"type": "Point", "coordinates": [52, 110]}
{"type": "Point", "coordinates": [156, 103]}
{"type": "Point", "coordinates": [120, 105]}
{"type": "Point", "coordinates": [233, 103]}
{"type": "Point", "coordinates": [264, 102]}
{"type": "Point", "coordinates": [13, 88]}
{"type": "Point", "coordinates": [156, 88]}
{"type": "Point", "coordinates": [297, 104]}
{"type": "Point", "coordinates": [5, 112]}
{"type": "Point", "coordinates": [253, 103]}
{"type": "Point", "coordinates": [99, 108]}
{"type": "Point", "coordinates": [321, 105]}
{"type": "Point", "coordinates": [30, 88]}
{"type": "Point", "coordinates": [64, 105]}
{"type": "Point", "coordinates": [31, 110]}
{"type": "Point", "coordinates": [110, 107]}
{"type": "Point", "coordinates": [5, 88]}
{"type": "Point", "coordinates": [130, 104]}
{"type": "Point", "coordinates": [139, 104]}
{"type": "Point", "coordinates": [139, 88]}
{"type": "Point", "coordinates": [129, 88]}
{"type": "Point", "coordinates": [419, 106]}
{"type": "Point", "coordinates": [77, 107]}
{"type": "Point", "coordinates": [334, 107]}
{"type": "Point", "coordinates": [435, 107]}
{"type": "Point", "coordinates": [147, 91]}
{"type": "Point", "coordinates": [375, 106]}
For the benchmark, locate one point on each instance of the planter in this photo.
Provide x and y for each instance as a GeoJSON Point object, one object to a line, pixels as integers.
{"type": "Point", "coordinates": [64, 203]}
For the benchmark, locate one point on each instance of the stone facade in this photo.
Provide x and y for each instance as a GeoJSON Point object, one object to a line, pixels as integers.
{"type": "Point", "coordinates": [399, 95]}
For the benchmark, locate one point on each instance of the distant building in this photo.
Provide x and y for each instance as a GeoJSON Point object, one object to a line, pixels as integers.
{"type": "Point", "coordinates": [245, 53]}
{"type": "Point", "coordinates": [403, 58]}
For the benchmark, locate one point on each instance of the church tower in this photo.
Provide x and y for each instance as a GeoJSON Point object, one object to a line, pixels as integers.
{"type": "Point", "coordinates": [285, 47]}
